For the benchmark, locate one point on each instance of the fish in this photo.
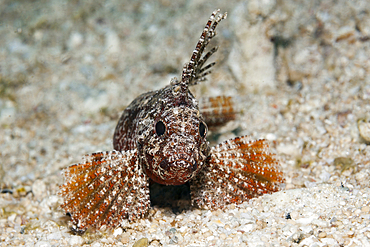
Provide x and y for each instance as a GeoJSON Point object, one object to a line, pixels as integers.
{"type": "Point", "coordinates": [161, 137]}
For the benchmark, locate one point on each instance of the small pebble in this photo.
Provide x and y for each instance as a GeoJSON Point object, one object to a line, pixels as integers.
{"type": "Point", "coordinates": [174, 240]}
{"type": "Point", "coordinates": [329, 241]}
{"type": "Point", "coordinates": [294, 215]}
{"type": "Point", "coordinates": [76, 240]}
{"type": "Point", "coordinates": [296, 237]}
{"type": "Point", "coordinates": [322, 235]}
{"type": "Point", "coordinates": [42, 244]}
{"type": "Point", "coordinates": [365, 209]}
{"type": "Point", "coordinates": [143, 242]}
{"type": "Point", "coordinates": [125, 237]}
{"type": "Point", "coordinates": [55, 236]}
{"type": "Point", "coordinates": [112, 42]}
{"type": "Point", "coordinates": [310, 241]}
{"type": "Point", "coordinates": [117, 232]}
{"type": "Point", "coordinates": [75, 40]}
{"type": "Point", "coordinates": [11, 218]}
{"type": "Point", "coordinates": [350, 234]}
{"type": "Point", "coordinates": [39, 189]}
{"type": "Point", "coordinates": [306, 229]}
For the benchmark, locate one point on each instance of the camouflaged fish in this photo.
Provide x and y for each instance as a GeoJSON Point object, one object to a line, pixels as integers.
{"type": "Point", "coordinates": [161, 136]}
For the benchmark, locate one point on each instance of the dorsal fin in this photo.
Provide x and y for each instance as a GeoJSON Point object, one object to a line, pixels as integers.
{"type": "Point", "coordinates": [193, 72]}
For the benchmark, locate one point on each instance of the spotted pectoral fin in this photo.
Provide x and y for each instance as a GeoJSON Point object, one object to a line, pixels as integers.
{"type": "Point", "coordinates": [217, 111]}
{"type": "Point", "coordinates": [104, 189]}
{"type": "Point", "coordinates": [237, 170]}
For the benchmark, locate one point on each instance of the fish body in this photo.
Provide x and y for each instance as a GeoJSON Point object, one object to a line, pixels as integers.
{"type": "Point", "coordinates": [161, 136]}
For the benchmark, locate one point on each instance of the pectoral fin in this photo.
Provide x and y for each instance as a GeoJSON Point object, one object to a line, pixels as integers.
{"type": "Point", "coordinates": [237, 170]}
{"type": "Point", "coordinates": [104, 189]}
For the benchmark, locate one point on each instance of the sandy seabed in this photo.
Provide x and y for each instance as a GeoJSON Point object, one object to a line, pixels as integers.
{"type": "Point", "coordinates": [299, 72]}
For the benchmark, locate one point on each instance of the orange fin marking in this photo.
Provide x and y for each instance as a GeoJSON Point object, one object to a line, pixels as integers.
{"type": "Point", "coordinates": [104, 189]}
{"type": "Point", "coordinates": [239, 169]}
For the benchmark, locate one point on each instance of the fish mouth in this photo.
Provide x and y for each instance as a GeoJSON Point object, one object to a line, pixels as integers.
{"type": "Point", "coordinates": [177, 172]}
{"type": "Point", "coordinates": [173, 169]}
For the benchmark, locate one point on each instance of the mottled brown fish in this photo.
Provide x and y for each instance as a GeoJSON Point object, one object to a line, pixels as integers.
{"type": "Point", "coordinates": [161, 136]}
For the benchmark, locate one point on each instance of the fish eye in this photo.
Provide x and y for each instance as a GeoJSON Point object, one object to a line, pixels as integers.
{"type": "Point", "coordinates": [160, 128]}
{"type": "Point", "coordinates": [202, 129]}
